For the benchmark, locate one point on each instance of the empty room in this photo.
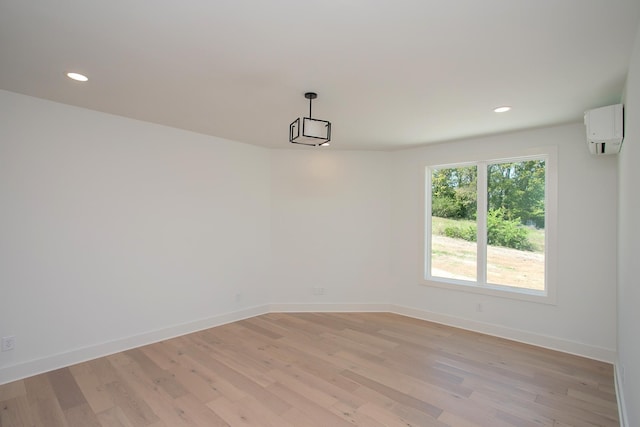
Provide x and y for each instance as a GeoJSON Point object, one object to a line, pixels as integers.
{"type": "Point", "coordinates": [319, 214]}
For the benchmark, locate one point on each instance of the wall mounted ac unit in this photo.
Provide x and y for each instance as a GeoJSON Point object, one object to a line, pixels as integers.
{"type": "Point", "coordinates": [605, 129]}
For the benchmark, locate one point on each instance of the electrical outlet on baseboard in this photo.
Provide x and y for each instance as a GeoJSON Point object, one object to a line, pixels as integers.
{"type": "Point", "coordinates": [8, 343]}
{"type": "Point", "coordinates": [318, 291]}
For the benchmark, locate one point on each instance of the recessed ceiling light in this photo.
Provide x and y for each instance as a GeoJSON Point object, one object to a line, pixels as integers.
{"type": "Point", "coordinates": [503, 109]}
{"type": "Point", "coordinates": [77, 77]}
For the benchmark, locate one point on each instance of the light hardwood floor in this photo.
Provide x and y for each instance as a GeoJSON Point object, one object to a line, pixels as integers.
{"type": "Point", "coordinates": [321, 370]}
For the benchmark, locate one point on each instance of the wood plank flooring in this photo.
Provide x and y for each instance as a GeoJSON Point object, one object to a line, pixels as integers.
{"type": "Point", "coordinates": [321, 370]}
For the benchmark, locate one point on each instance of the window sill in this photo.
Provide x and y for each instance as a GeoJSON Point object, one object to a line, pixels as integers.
{"type": "Point", "coordinates": [542, 297]}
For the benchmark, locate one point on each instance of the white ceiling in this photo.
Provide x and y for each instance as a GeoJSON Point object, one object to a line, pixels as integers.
{"type": "Point", "coordinates": [389, 74]}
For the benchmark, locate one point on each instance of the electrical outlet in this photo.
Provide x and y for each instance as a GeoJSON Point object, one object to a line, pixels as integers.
{"type": "Point", "coordinates": [479, 307]}
{"type": "Point", "coordinates": [8, 343]}
{"type": "Point", "coordinates": [239, 297]}
{"type": "Point", "coordinates": [318, 291]}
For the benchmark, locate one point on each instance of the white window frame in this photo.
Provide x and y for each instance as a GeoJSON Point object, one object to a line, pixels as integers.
{"type": "Point", "coordinates": [480, 286]}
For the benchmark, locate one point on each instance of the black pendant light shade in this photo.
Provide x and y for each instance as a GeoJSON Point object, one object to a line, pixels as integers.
{"type": "Point", "coordinates": [310, 131]}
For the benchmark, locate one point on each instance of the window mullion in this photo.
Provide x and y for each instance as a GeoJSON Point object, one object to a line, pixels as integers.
{"type": "Point", "coordinates": [482, 223]}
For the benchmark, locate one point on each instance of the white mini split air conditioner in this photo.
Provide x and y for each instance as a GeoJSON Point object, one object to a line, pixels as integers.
{"type": "Point", "coordinates": [605, 129]}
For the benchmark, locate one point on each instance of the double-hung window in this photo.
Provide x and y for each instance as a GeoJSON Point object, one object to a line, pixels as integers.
{"type": "Point", "coordinates": [490, 226]}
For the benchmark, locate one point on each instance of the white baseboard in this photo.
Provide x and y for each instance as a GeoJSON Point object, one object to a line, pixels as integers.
{"type": "Point", "coordinates": [329, 308]}
{"type": "Point", "coordinates": [57, 361]}
{"type": "Point", "coordinates": [622, 408]}
{"type": "Point", "coordinates": [553, 343]}
{"type": "Point", "coordinates": [37, 366]}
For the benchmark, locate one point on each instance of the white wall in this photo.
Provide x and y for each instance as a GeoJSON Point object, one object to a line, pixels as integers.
{"type": "Point", "coordinates": [583, 320]}
{"type": "Point", "coordinates": [112, 228]}
{"type": "Point", "coordinates": [629, 246]}
{"type": "Point", "coordinates": [330, 226]}
{"type": "Point", "coordinates": [115, 231]}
